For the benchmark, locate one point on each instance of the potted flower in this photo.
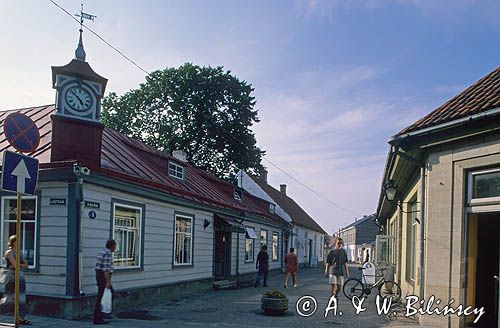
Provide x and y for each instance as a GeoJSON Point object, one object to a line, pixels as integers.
{"type": "Point", "coordinates": [274, 302]}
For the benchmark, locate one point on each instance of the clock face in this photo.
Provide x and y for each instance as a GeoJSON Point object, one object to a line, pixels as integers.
{"type": "Point", "coordinates": [78, 98]}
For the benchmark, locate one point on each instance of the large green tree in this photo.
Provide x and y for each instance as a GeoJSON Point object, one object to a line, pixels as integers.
{"type": "Point", "coordinates": [205, 111]}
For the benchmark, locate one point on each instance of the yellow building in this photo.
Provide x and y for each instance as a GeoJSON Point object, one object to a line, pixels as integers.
{"type": "Point", "coordinates": [440, 206]}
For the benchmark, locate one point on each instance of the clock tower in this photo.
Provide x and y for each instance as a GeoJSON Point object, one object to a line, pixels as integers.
{"type": "Point", "coordinates": [76, 126]}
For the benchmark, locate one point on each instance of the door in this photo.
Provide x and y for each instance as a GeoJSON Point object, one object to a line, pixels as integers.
{"type": "Point", "coordinates": [310, 244]}
{"type": "Point", "coordinates": [487, 269]}
{"type": "Point", "coordinates": [222, 264]}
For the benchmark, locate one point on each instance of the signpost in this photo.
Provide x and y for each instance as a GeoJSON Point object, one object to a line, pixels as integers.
{"type": "Point", "coordinates": [20, 175]}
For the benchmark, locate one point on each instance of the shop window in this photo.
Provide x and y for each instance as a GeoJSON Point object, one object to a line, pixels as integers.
{"type": "Point", "coordinates": [183, 241]}
{"type": "Point", "coordinates": [249, 244]}
{"type": "Point", "coordinates": [275, 247]}
{"type": "Point", "coordinates": [127, 232]}
{"type": "Point", "coordinates": [28, 223]}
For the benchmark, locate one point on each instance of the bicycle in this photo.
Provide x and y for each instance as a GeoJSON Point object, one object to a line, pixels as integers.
{"type": "Point", "coordinates": [359, 287]}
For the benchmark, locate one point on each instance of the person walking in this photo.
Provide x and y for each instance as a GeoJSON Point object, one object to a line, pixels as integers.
{"type": "Point", "coordinates": [291, 267]}
{"type": "Point", "coordinates": [336, 266]}
{"type": "Point", "coordinates": [103, 271]}
{"type": "Point", "coordinates": [262, 265]}
{"type": "Point", "coordinates": [8, 300]}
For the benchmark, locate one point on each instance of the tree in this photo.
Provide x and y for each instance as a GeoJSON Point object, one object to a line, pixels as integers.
{"type": "Point", "coordinates": [205, 111]}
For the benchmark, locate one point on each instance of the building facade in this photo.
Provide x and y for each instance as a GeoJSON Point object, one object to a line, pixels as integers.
{"type": "Point", "coordinates": [359, 239]}
{"type": "Point", "coordinates": [443, 228]}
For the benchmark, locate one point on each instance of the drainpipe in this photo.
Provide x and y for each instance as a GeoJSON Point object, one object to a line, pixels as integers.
{"type": "Point", "coordinates": [80, 171]}
{"type": "Point", "coordinates": [422, 231]}
{"type": "Point", "coordinates": [237, 254]}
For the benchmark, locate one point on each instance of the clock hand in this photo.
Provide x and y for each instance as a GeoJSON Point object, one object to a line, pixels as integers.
{"type": "Point", "coordinates": [77, 96]}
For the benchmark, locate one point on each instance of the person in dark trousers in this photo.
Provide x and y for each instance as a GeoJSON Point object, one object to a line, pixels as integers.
{"type": "Point", "coordinates": [262, 265]}
{"type": "Point", "coordinates": [103, 270]}
{"type": "Point", "coordinates": [336, 266]}
{"type": "Point", "coordinates": [291, 267]}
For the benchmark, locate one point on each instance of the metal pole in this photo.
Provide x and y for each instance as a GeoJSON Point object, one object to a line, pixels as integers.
{"type": "Point", "coordinates": [18, 260]}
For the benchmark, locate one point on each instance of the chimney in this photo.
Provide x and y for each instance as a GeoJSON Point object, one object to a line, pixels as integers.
{"type": "Point", "coordinates": [74, 139]}
{"type": "Point", "coordinates": [180, 155]}
{"type": "Point", "coordinates": [263, 175]}
{"type": "Point", "coordinates": [283, 188]}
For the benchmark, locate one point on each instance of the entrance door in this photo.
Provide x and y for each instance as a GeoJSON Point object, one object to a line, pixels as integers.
{"type": "Point", "coordinates": [222, 264]}
{"type": "Point", "coordinates": [310, 251]}
{"type": "Point", "coordinates": [487, 269]}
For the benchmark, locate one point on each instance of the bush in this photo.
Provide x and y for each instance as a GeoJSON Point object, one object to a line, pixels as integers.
{"type": "Point", "coordinates": [274, 294]}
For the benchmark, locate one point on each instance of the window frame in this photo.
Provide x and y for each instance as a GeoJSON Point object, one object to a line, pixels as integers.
{"type": "Point", "coordinates": [266, 239]}
{"type": "Point", "coordinates": [272, 208]}
{"type": "Point", "coordinates": [130, 205]}
{"type": "Point", "coordinates": [36, 259]}
{"type": "Point", "coordinates": [277, 246]}
{"type": "Point", "coordinates": [183, 170]}
{"type": "Point", "coordinates": [470, 188]}
{"type": "Point", "coordinates": [192, 218]}
{"type": "Point", "coordinates": [253, 245]}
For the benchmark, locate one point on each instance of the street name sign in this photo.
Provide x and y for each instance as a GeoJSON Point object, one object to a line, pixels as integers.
{"type": "Point", "coordinates": [19, 173]}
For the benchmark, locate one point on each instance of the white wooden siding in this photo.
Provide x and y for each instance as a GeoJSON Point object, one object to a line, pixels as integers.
{"type": "Point", "coordinates": [51, 278]}
{"type": "Point", "coordinates": [158, 242]}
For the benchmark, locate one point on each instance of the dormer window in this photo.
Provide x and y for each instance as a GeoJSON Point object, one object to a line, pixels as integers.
{"type": "Point", "coordinates": [175, 170]}
{"type": "Point", "coordinates": [237, 194]}
{"type": "Point", "coordinates": [272, 208]}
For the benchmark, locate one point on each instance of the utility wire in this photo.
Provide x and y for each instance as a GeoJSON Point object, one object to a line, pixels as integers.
{"type": "Point", "coordinates": [101, 38]}
{"type": "Point", "coordinates": [210, 118]}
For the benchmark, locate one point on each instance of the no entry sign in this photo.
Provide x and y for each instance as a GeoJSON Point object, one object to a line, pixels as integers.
{"type": "Point", "coordinates": [21, 132]}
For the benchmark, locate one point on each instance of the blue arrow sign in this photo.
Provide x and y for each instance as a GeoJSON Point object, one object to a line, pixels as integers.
{"type": "Point", "coordinates": [19, 173]}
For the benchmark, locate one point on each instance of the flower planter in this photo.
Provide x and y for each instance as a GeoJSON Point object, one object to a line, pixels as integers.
{"type": "Point", "coordinates": [274, 306]}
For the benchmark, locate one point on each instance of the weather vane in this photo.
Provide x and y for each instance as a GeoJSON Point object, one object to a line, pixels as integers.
{"type": "Point", "coordinates": [80, 52]}
{"type": "Point", "coordinates": [83, 16]}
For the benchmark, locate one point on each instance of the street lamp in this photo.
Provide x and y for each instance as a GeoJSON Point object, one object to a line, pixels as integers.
{"type": "Point", "coordinates": [390, 190]}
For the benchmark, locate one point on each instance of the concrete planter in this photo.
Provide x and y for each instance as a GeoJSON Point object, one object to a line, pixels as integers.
{"type": "Point", "coordinates": [274, 306]}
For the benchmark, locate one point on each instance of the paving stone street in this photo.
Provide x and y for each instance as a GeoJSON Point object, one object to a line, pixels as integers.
{"type": "Point", "coordinates": [241, 308]}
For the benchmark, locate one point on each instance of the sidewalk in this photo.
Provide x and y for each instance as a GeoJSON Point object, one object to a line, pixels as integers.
{"type": "Point", "coordinates": [241, 308]}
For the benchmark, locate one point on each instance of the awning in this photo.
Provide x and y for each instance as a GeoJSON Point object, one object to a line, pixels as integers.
{"type": "Point", "coordinates": [251, 233]}
{"type": "Point", "coordinates": [231, 223]}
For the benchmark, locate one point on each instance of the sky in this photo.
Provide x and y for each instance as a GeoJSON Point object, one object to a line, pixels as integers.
{"type": "Point", "coordinates": [333, 79]}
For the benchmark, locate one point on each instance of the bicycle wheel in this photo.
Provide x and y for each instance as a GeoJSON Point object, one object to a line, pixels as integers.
{"type": "Point", "coordinates": [390, 289]}
{"type": "Point", "coordinates": [353, 287]}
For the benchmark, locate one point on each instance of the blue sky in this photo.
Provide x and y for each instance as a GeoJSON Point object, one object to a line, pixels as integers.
{"type": "Point", "coordinates": [333, 79]}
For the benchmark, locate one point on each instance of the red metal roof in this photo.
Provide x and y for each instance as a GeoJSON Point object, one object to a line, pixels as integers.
{"type": "Point", "coordinates": [125, 158]}
{"type": "Point", "coordinates": [482, 96]}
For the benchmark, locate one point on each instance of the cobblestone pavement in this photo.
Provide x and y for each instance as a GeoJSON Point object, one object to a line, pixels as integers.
{"type": "Point", "coordinates": [241, 308]}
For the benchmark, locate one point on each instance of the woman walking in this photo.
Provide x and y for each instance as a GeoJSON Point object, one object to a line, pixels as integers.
{"type": "Point", "coordinates": [8, 300]}
{"type": "Point", "coordinates": [291, 267]}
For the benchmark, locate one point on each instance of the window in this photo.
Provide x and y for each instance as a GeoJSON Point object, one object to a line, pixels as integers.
{"type": "Point", "coordinates": [183, 243]}
{"type": "Point", "coordinates": [263, 237]}
{"type": "Point", "coordinates": [127, 232]}
{"type": "Point", "coordinates": [175, 170]}
{"type": "Point", "coordinates": [249, 244]}
{"type": "Point", "coordinates": [28, 223]}
{"type": "Point", "coordinates": [411, 240]}
{"type": "Point", "coordinates": [272, 208]}
{"type": "Point", "coordinates": [484, 186]}
{"type": "Point", "coordinates": [275, 247]}
{"type": "Point", "coordinates": [237, 194]}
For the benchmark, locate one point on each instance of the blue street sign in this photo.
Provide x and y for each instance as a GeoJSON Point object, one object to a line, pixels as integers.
{"type": "Point", "coordinates": [21, 132]}
{"type": "Point", "coordinates": [19, 173]}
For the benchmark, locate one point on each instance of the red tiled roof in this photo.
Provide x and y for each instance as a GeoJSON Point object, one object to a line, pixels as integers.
{"type": "Point", "coordinates": [297, 213]}
{"type": "Point", "coordinates": [124, 157]}
{"type": "Point", "coordinates": [482, 96]}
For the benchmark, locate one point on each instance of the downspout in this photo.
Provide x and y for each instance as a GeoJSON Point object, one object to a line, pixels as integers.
{"type": "Point", "coordinates": [422, 231]}
{"type": "Point", "coordinates": [237, 254]}
{"type": "Point", "coordinates": [79, 171]}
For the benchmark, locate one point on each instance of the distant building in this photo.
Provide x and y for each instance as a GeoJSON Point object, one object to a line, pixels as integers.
{"type": "Point", "coordinates": [359, 239]}
{"type": "Point", "coordinates": [305, 234]}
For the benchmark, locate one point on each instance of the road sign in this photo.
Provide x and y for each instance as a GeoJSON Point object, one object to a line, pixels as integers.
{"type": "Point", "coordinates": [19, 173]}
{"type": "Point", "coordinates": [21, 132]}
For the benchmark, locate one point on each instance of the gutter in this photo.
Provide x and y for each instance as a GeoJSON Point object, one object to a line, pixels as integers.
{"type": "Point", "coordinates": [445, 125]}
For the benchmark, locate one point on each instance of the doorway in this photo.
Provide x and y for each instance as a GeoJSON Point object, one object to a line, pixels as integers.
{"type": "Point", "coordinates": [483, 267]}
{"type": "Point", "coordinates": [222, 269]}
{"type": "Point", "coordinates": [310, 246]}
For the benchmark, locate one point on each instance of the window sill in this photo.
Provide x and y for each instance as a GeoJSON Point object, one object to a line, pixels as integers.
{"type": "Point", "coordinates": [128, 270]}
{"type": "Point", "coordinates": [248, 261]}
{"type": "Point", "coordinates": [180, 266]}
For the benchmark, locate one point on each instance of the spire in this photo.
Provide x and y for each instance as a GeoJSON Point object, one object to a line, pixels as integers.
{"type": "Point", "coordinates": [80, 52]}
